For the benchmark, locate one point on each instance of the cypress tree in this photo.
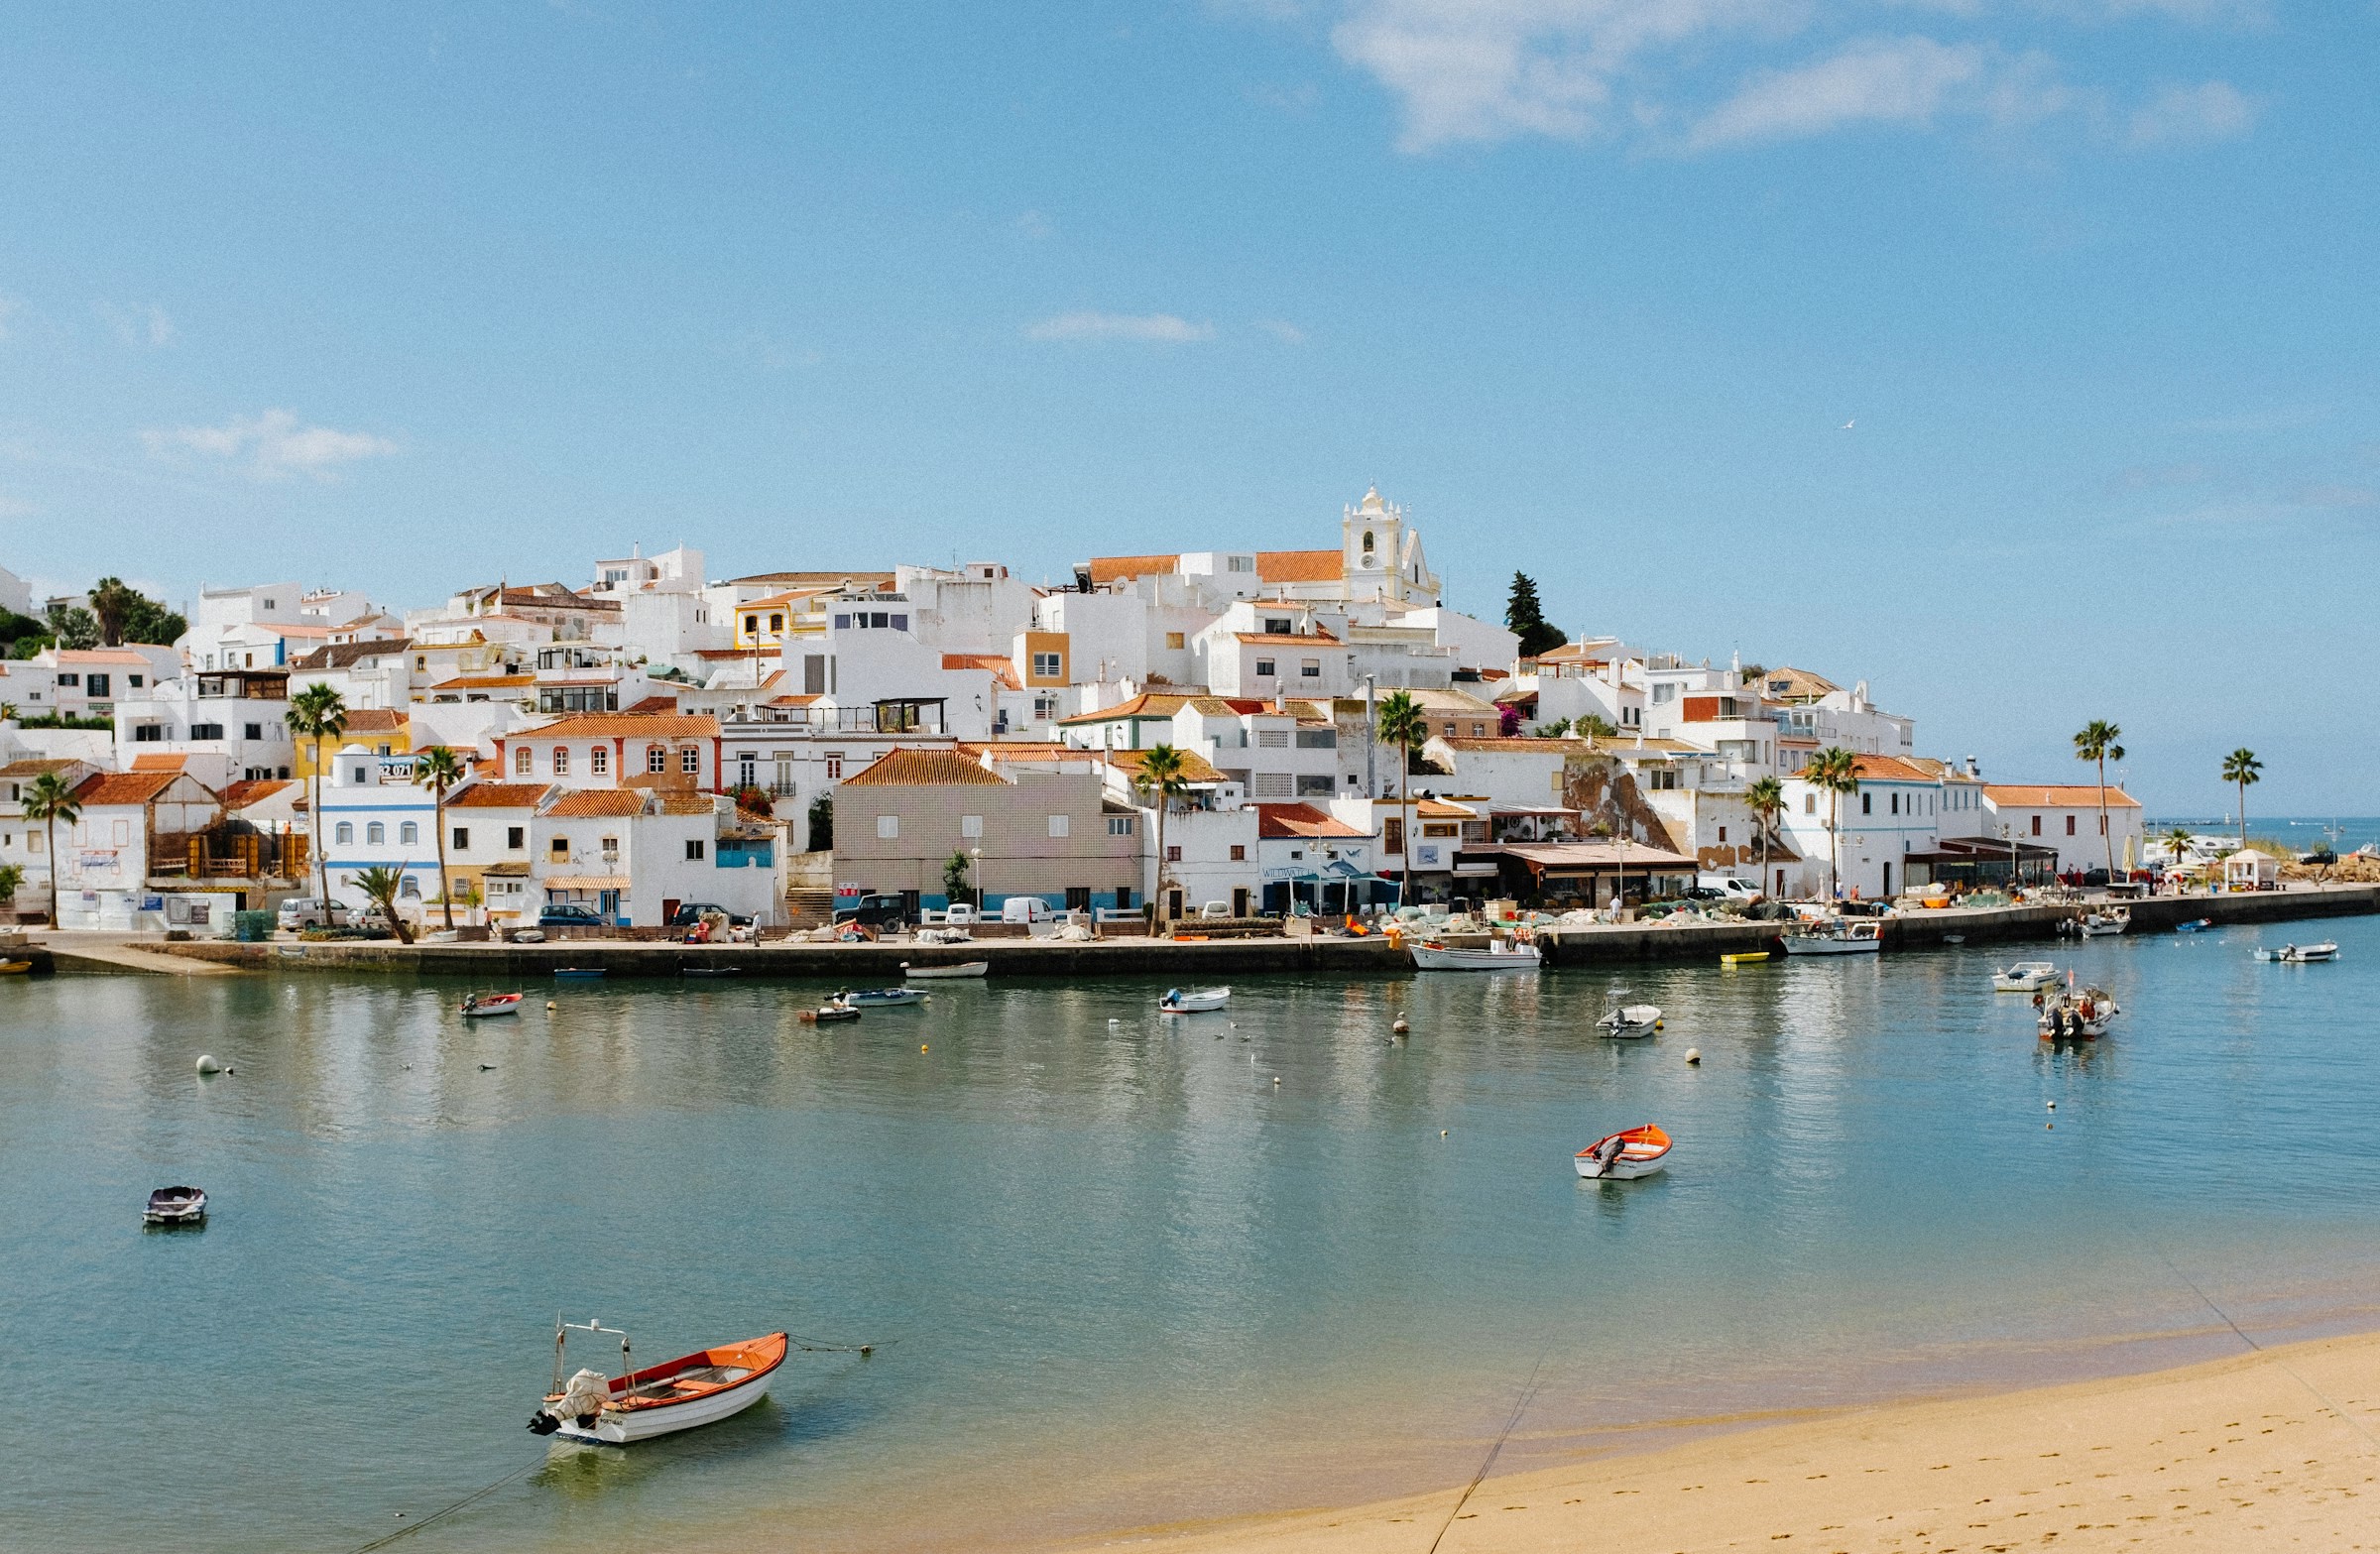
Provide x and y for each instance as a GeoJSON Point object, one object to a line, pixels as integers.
{"type": "Point", "coordinates": [1525, 617]}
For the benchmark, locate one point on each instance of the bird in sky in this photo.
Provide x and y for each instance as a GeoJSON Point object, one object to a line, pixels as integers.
{"type": "Point", "coordinates": [1848, 424]}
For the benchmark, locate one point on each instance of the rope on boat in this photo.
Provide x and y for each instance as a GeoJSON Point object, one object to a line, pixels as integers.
{"type": "Point", "coordinates": [819, 1346]}
{"type": "Point", "coordinates": [473, 1497]}
{"type": "Point", "coordinates": [1521, 1405]}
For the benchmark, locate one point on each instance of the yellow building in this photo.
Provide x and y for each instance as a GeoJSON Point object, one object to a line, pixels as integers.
{"type": "Point", "coordinates": [381, 732]}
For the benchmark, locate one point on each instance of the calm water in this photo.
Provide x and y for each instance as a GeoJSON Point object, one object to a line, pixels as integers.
{"type": "Point", "coordinates": [1119, 1277]}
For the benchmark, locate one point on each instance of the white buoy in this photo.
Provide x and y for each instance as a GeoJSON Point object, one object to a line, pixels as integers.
{"type": "Point", "coordinates": [2053, 1106]}
{"type": "Point", "coordinates": [1399, 1025]}
{"type": "Point", "coordinates": [1276, 1079]}
{"type": "Point", "coordinates": [1694, 1056]}
{"type": "Point", "coordinates": [207, 1064]}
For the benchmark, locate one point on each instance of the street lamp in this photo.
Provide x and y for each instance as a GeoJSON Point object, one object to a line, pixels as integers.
{"type": "Point", "coordinates": [978, 854]}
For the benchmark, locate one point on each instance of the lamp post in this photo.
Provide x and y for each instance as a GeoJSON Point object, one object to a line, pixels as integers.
{"type": "Point", "coordinates": [978, 854]}
{"type": "Point", "coordinates": [2008, 830]}
{"type": "Point", "coordinates": [1371, 740]}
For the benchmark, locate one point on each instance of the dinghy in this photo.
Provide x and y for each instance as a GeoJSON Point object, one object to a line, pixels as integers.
{"type": "Point", "coordinates": [2194, 925]}
{"type": "Point", "coordinates": [703, 1387]}
{"type": "Point", "coordinates": [965, 968]}
{"type": "Point", "coordinates": [1629, 1021]}
{"type": "Point", "coordinates": [2026, 976]}
{"type": "Point", "coordinates": [171, 1206]}
{"type": "Point", "coordinates": [2299, 954]}
{"type": "Point", "coordinates": [883, 998]}
{"type": "Point", "coordinates": [2093, 926]}
{"type": "Point", "coordinates": [1500, 955]}
{"type": "Point", "coordinates": [1836, 936]}
{"type": "Point", "coordinates": [1203, 1002]}
{"type": "Point", "coordinates": [833, 1012]}
{"type": "Point", "coordinates": [1622, 1157]}
{"type": "Point", "coordinates": [573, 973]}
{"type": "Point", "coordinates": [483, 1006]}
{"type": "Point", "coordinates": [1743, 958]}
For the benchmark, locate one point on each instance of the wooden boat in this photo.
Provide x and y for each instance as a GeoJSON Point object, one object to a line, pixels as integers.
{"type": "Point", "coordinates": [965, 968]}
{"type": "Point", "coordinates": [2026, 976]}
{"type": "Point", "coordinates": [1629, 1021]}
{"type": "Point", "coordinates": [1203, 1002]}
{"type": "Point", "coordinates": [2077, 1015]}
{"type": "Point", "coordinates": [1743, 958]}
{"type": "Point", "coordinates": [2299, 954]}
{"type": "Point", "coordinates": [833, 1012]}
{"type": "Point", "coordinates": [561, 973]}
{"type": "Point", "coordinates": [883, 998]}
{"type": "Point", "coordinates": [483, 1006]}
{"type": "Point", "coordinates": [15, 967]}
{"type": "Point", "coordinates": [176, 1206]}
{"type": "Point", "coordinates": [1500, 955]}
{"type": "Point", "coordinates": [2194, 925]}
{"type": "Point", "coordinates": [1622, 1157]}
{"type": "Point", "coordinates": [703, 1387]}
{"type": "Point", "coordinates": [1836, 936]}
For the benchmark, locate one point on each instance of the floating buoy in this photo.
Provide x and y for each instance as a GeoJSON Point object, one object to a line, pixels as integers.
{"type": "Point", "coordinates": [549, 1004]}
{"type": "Point", "coordinates": [1658, 1024]}
{"type": "Point", "coordinates": [921, 1047]}
{"type": "Point", "coordinates": [1399, 1025]}
{"type": "Point", "coordinates": [207, 1064]}
{"type": "Point", "coordinates": [1693, 1056]}
{"type": "Point", "coordinates": [2053, 1106]}
{"type": "Point", "coordinates": [2046, 1126]}
{"type": "Point", "coordinates": [1442, 1132]}
{"type": "Point", "coordinates": [865, 1350]}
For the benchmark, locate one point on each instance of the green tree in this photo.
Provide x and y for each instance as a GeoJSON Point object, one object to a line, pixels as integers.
{"type": "Point", "coordinates": [822, 824]}
{"type": "Point", "coordinates": [1164, 773]}
{"type": "Point", "coordinates": [954, 875]}
{"type": "Point", "coordinates": [316, 714]}
{"type": "Point", "coordinates": [1403, 728]}
{"type": "Point", "coordinates": [49, 799]}
{"type": "Point", "coordinates": [1765, 798]}
{"type": "Point", "coordinates": [381, 885]}
{"type": "Point", "coordinates": [72, 627]}
{"type": "Point", "coordinates": [439, 768]}
{"type": "Point", "coordinates": [1551, 730]}
{"type": "Point", "coordinates": [1594, 726]}
{"type": "Point", "coordinates": [2243, 769]}
{"type": "Point", "coordinates": [1751, 673]}
{"type": "Point", "coordinates": [1526, 618]}
{"type": "Point", "coordinates": [11, 877]}
{"type": "Point", "coordinates": [111, 600]}
{"type": "Point", "coordinates": [2097, 742]}
{"type": "Point", "coordinates": [1834, 771]}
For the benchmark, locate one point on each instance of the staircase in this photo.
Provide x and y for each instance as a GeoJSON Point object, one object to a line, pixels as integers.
{"type": "Point", "coordinates": [807, 906]}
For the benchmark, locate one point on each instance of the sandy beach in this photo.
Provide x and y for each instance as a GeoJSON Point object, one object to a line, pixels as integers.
{"type": "Point", "coordinates": [2270, 1450]}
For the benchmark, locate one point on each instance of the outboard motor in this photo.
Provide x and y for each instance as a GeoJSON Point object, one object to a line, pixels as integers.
{"type": "Point", "coordinates": [542, 1423]}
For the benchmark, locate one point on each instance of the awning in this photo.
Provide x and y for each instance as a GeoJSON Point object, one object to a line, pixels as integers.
{"type": "Point", "coordinates": [585, 882]}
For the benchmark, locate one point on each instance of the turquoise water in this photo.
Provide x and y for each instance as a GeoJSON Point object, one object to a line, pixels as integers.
{"type": "Point", "coordinates": [1118, 1275]}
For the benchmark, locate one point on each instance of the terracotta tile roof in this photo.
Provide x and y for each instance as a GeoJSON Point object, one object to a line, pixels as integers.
{"type": "Point", "coordinates": [688, 804]}
{"type": "Point", "coordinates": [1892, 769]}
{"type": "Point", "coordinates": [1514, 743]}
{"type": "Point", "coordinates": [240, 794]}
{"type": "Point", "coordinates": [1799, 684]}
{"type": "Point", "coordinates": [1031, 749]}
{"type": "Point", "coordinates": [1440, 809]}
{"type": "Point", "coordinates": [597, 803]}
{"type": "Point", "coordinates": [342, 654]}
{"type": "Point", "coordinates": [1195, 768]}
{"type": "Point", "coordinates": [125, 787]}
{"type": "Point", "coordinates": [1109, 569]}
{"type": "Point", "coordinates": [1279, 821]}
{"type": "Point", "coordinates": [904, 768]}
{"type": "Point", "coordinates": [159, 763]}
{"type": "Point", "coordinates": [100, 655]}
{"type": "Point", "coordinates": [37, 766]}
{"type": "Point", "coordinates": [375, 720]}
{"type": "Point", "coordinates": [2056, 795]}
{"type": "Point", "coordinates": [802, 700]}
{"type": "Point", "coordinates": [1149, 704]}
{"type": "Point", "coordinates": [997, 664]}
{"type": "Point", "coordinates": [653, 704]}
{"type": "Point", "coordinates": [632, 725]}
{"type": "Point", "coordinates": [487, 682]}
{"type": "Point", "coordinates": [877, 580]}
{"type": "Point", "coordinates": [498, 795]}
{"type": "Point", "coordinates": [1233, 706]}
{"type": "Point", "coordinates": [1300, 566]}
{"type": "Point", "coordinates": [1628, 744]}
{"type": "Point", "coordinates": [1320, 635]}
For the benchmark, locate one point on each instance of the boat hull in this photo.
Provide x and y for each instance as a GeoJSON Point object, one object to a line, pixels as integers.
{"type": "Point", "coordinates": [614, 1427]}
{"type": "Point", "coordinates": [971, 968]}
{"type": "Point", "coordinates": [1623, 1169]}
{"type": "Point", "coordinates": [1798, 944]}
{"type": "Point", "coordinates": [1428, 957]}
{"type": "Point", "coordinates": [1209, 1002]}
{"type": "Point", "coordinates": [885, 997]}
{"type": "Point", "coordinates": [1643, 1151]}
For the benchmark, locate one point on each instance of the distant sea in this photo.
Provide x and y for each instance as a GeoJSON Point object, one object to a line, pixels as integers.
{"type": "Point", "coordinates": [2302, 832]}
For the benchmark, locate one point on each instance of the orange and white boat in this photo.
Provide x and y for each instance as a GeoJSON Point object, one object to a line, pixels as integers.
{"type": "Point", "coordinates": [1622, 1157]}
{"type": "Point", "coordinates": [703, 1387]}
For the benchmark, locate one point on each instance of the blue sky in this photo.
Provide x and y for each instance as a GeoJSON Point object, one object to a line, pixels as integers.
{"type": "Point", "coordinates": [406, 296]}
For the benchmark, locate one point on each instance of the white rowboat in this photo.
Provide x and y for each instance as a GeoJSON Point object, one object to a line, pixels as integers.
{"type": "Point", "coordinates": [965, 968]}
{"type": "Point", "coordinates": [2026, 976]}
{"type": "Point", "coordinates": [1630, 1022]}
{"type": "Point", "coordinates": [883, 998]}
{"type": "Point", "coordinates": [1500, 955]}
{"type": "Point", "coordinates": [1837, 938]}
{"type": "Point", "coordinates": [2299, 954]}
{"type": "Point", "coordinates": [1622, 1157]}
{"type": "Point", "coordinates": [1203, 1002]}
{"type": "Point", "coordinates": [703, 1387]}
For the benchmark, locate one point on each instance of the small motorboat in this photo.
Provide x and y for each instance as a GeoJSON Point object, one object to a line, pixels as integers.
{"type": "Point", "coordinates": [2299, 954]}
{"type": "Point", "coordinates": [2094, 926]}
{"type": "Point", "coordinates": [1622, 1157]}
{"type": "Point", "coordinates": [1836, 936]}
{"type": "Point", "coordinates": [1203, 1002]}
{"type": "Point", "coordinates": [2077, 1016]}
{"type": "Point", "coordinates": [1743, 958]}
{"type": "Point", "coordinates": [965, 968]}
{"type": "Point", "coordinates": [576, 972]}
{"type": "Point", "coordinates": [1629, 1021]}
{"type": "Point", "coordinates": [1500, 955]}
{"type": "Point", "coordinates": [883, 998]}
{"type": "Point", "coordinates": [2194, 925]}
{"type": "Point", "coordinates": [703, 1387]}
{"type": "Point", "coordinates": [483, 1006]}
{"type": "Point", "coordinates": [2026, 976]}
{"type": "Point", "coordinates": [833, 1012]}
{"type": "Point", "coordinates": [170, 1205]}
{"type": "Point", "coordinates": [15, 967]}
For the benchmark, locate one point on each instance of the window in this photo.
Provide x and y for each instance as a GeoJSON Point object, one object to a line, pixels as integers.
{"type": "Point", "coordinates": [776, 623]}
{"type": "Point", "coordinates": [1893, 804]}
{"type": "Point", "coordinates": [1264, 668]}
{"type": "Point", "coordinates": [834, 765]}
{"type": "Point", "coordinates": [1368, 545]}
{"type": "Point", "coordinates": [559, 848]}
{"type": "Point", "coordinates": [1663, 693]}
{"type": "Point", "coordinates": [971, 825]}
{"type": "Point", "coordinates": [521, 761]}
{"type": "Point", "coordinates": [1867, 803]}
{"type": "Point", "coordinates": [1119, 826]}
{"type": "Point", "coordinates": [1279, 626]}
{"type": "Point", "coordinates": [462, 838]}
{"type": "Point", "coordinates": [69, 679]}
{"type": "Point", "coordinates": [147, 734]}
{"type": "Point", "coordinates": [206, 731]}
{"type": "Point", "coordinates": [2070, 825]}
{"type": "Point", "coordinates": [345, 833]}
{"type": "Point", "coordinates": [1240, 563]}
{"type": "Point", "coordinates": [561, 761]}
{"type": "Point", "coordinates": [135, 681]}
{"type": "Point", "coordinates": [1393, 835]}
{"type": "Point", "coordinates": [611, 848]}
{"type": "Point", "coordinates": [888, 828]}
{"type": "Point", "coordinates": [376, 834]}
{"type": "Point", "coordinates": [599, 761]}
{"type": "Point", "coordinates": [1312, 785]}
{"type": "Point", "coordinates": [1723, 836]}
{"type": "Point", "coordinates": [1239, 852]}
{"type": "Point", "coordinates": [656, 758]}
{"type": "Point", "coordinates": [409, 886]}
{"type": "Point", "coordinates": [752, 624]}
{"type": "Point", "coordinates": [1045, 707]}
{"type": "Point", "coordinates": [1478, 730]}
{"type": "Point", "coordinates": [1318, 738]}
{"type": "Point", "coordinates": [253, 730]}
{"type": "Point", "coordinates": [689, 761]}
{"type": "Point", "coordinates": [1058, 825]}
{"type": "Point", "coordinates": [813, 674]}
{"type": "Point", "coordinates": [1309, 669]}
{"type": "Point", "coordinates": [94, 685]}
{"type": "Point", "coordinates": [408, 835]}
{"type": "Point", "coordinates": [1047, 666]}
{"type": "Point", "coordinates": [1173, 853]}
{"type": "Point", "coordinates": [1272, 739]}
{"type": "Point", "coordinates": [1173, 639]}
{"type": "Point", "coordinates": [514, 838]}
{"type": "Point", "coordinates": [2037, 825]}
{"type": "Point", "coordinates": [1809, 804]}
{"type": "Point", "coordinates": [695, 848]}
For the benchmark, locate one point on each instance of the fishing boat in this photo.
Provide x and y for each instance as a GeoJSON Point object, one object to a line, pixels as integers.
{"type": "Point", "coordinates": [883, 998]}
{"type": "Point", "coordinates": [1206, 1001]}
{"type": "Point", "coordinates": [703, 1387]}
{"type": "Point", "coordinates": [2077, 1016]}
{"type": "Point", "coordinates": [2026, 976]}
{"type": "Point", "coordinates": [576, 972]}
{"type": "Point", "coordinates": [171, 1206]}
{"type": "Point", "coordinates": [484, 1006]}
{"type": "Point", "coordinates": [1622, 1157]}
{"type": "Point", "coordinates": [2194, 925]}
{"type": "Point", "coordinates": [1743, 958]}
{"type": "Point", "coordinates": [833, 1012]}
{"type": "Point", "coordinates": [1629, 1021]}
{"type": "Point", "coordinates": [965, 968]}
{"type": "Point", "coordinates": [1500, 955]}
{"type": "Point", "coordinates": [2299, 954]}
{"type": "Point", "coordinates": [1836, 936]}
{"type": "Point", "coordinates": [15, 967]}
{"type": "Point", "coordinates": [2094, 925]}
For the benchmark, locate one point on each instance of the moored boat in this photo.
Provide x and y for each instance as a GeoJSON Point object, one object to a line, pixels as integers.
{"type": "Point", "coordinates": [1624, 1156]}
{"type": "Point", "coordinates": [1743, 957]}
{"type": "Point", "coordinates": [2098, 924]}
{"type": "Point", "coordinates": [703, 1387]}
{"type": "Point", "coordinates": [834, 1010]}
{"type": "Point", "coordinates": [2299, 954]}
{"type": "Point", "coordinates": [15, 967]}
{"type": "Point", "coordinates": [1205, 1001]}
{"type": "Point", "coordinates": [2026, 976]}
{"type": "Point", "coordinates": [1629, 1021]}
{"type": "Point", "coordinates": [2077, 1016]}
{"type": "Point", "coordinates": [483, 1006]}
{"type": "Point", "coordinates": [1836, 936]}
{"type": "Point", "coordinates": [1500, 955]}
{"type": "Point", "coordinates": [2194, 925]}
{"type": "Point", "coordinates": [576, 972]}
{"type": "Point", "coordinates": [965, 968]}
{"type": "Point", "coordinates": [883, 998]}
{"type": "Point", "coordinates": [171, 1206]}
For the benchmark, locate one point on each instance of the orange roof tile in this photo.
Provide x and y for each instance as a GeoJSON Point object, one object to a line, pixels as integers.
{"type": "Point", "coordinates": [1279, 821]}
{"type": "Point", "coordinates": [486, 682]}
{"type": "Point", "coordinates": [255, 790]}
{"type": "Point", "coordinates": [1109, 569]}
{"type": "Point", "coordinates": [1195, 768]}
{"type": "Point", "coordinates": [125, 787]}
{"type": "Point", "coordinates": [1320, 635]}
{"type": "Point", "coordinates": [1300, 566]}
{"type": "Point", "coordinates": [597, 803]}
{"type": "Point", "coordinates": [1149, 704]}
{"type": "Point", "coordinates": [498, 795]}
{"type": "Point", "coordinates": [653, 704]}
{"type": "Point", "coordinates": [375, 720]}
{"type": "Point", "coordinates": [1890, 769]}
{"type": "Point", "coordinates": [900, 766]}
{"type": "Point", "coordinates": [632, 725]}
{"type": "Point", "coordinates": [2056, 795]}
{"type": "Point", "coordinates": [159, 763]}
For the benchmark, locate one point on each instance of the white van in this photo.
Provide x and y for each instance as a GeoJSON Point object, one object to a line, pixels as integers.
{"type": "Point", "coordinates": [1027, 908]}
{"type": "Point", "coordinates": [1729, 887]}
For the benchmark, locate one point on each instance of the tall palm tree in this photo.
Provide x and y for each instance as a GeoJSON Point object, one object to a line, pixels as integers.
{"type": "Point", "coordinates": [2097, 742]}
{"type": "Point", "coordinates": [383, 885]}
{"type": "Point", "coordinates": [318, 713]}
{"type": "Point", "coordinates": [1403, 728]}
{"type": "Point", "coordinates": [439, 769]}
{"type": "Point", "coordinates": [111, 602]}
{"type": "Point", "coordinates": [1165, 773]}
{"type": "Point", "coordinates": [49, 799]}
{"type": "Point", "coordinates": [2178, 842]}
{"type": "Point", "coordinates": [1765, 798]}
{"type": "Point", "coordinates": [2242, 768]}
{"type": "Point", "coordinates": [1835, 771]}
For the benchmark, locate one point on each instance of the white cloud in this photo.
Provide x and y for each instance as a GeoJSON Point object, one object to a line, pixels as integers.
{"type": "Point", "coordinates": [2192, 116]}
{"type": "Point", "coordinates": [1153, 329]}
{"type": "Point", "coordinates": [1892, 80]}
{"type": "Point", "coordinates": [1283, 331]}
{"type": "Point", "coordinates": [273, 445]}
{"type": "Point", "coordinates": [134, 327]}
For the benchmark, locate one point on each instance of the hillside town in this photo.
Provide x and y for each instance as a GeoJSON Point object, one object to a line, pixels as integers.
{"type": "Point", "coordinates": [1213, 733]}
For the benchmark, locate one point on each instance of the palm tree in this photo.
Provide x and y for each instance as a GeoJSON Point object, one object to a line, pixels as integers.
{"type": "Point", "coordinates": [2097, 742]}
{"type": "Point", "coordinates": [1403, 728]}
{"type": "Point", "coordinates": [48, 799]}
{"type": "Point", "coordinates": [2242, 768]}
{"type": "Point", "coordinates": [1835, 771]}
{"type": "Point", "coordinates": [318, 713]}
{"type": "Point", "coordinates": [381, 885]}
{"type": "Point", "coordinates": [1164, 772]}
{"type": "Point", "coordinates": [2178, 841]}
{"type": "Point", "coordinates": [1594, 726]}
{"type": "Point", "coordinates": [1765, 798]}
{"type": "Point", "coordinates": [111, 603]}
{"type": "Point", "coordinates": [439, 769]}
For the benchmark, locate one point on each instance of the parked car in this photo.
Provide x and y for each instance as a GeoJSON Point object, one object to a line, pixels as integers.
{"type": "Point", "coordinates": [873, 911]}
{"type": "Point", "coordinates": [960, 916]}
{"type": "Point", "coordinates": [312, 911]}
{"type": "Point", "coordinates": [1027, 908]}
{"type": "Point", "coordinates": [571, 915]}
{"type": "Point", "coordinates": [689, 914]}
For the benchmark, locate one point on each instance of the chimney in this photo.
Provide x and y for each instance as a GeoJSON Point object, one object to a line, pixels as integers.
{"type": "Point", "coordinates": [1973, 769]}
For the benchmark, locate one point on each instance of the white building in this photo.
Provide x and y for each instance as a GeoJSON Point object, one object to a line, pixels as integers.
{"type": "Point", "coordinates": [2066, 816]}
{"type": "Point", "coordinates": [231, 723]}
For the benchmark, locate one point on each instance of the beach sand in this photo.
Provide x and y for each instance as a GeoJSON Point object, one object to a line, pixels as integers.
{"type": "Point", "coordinates": [2275, 1448]}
